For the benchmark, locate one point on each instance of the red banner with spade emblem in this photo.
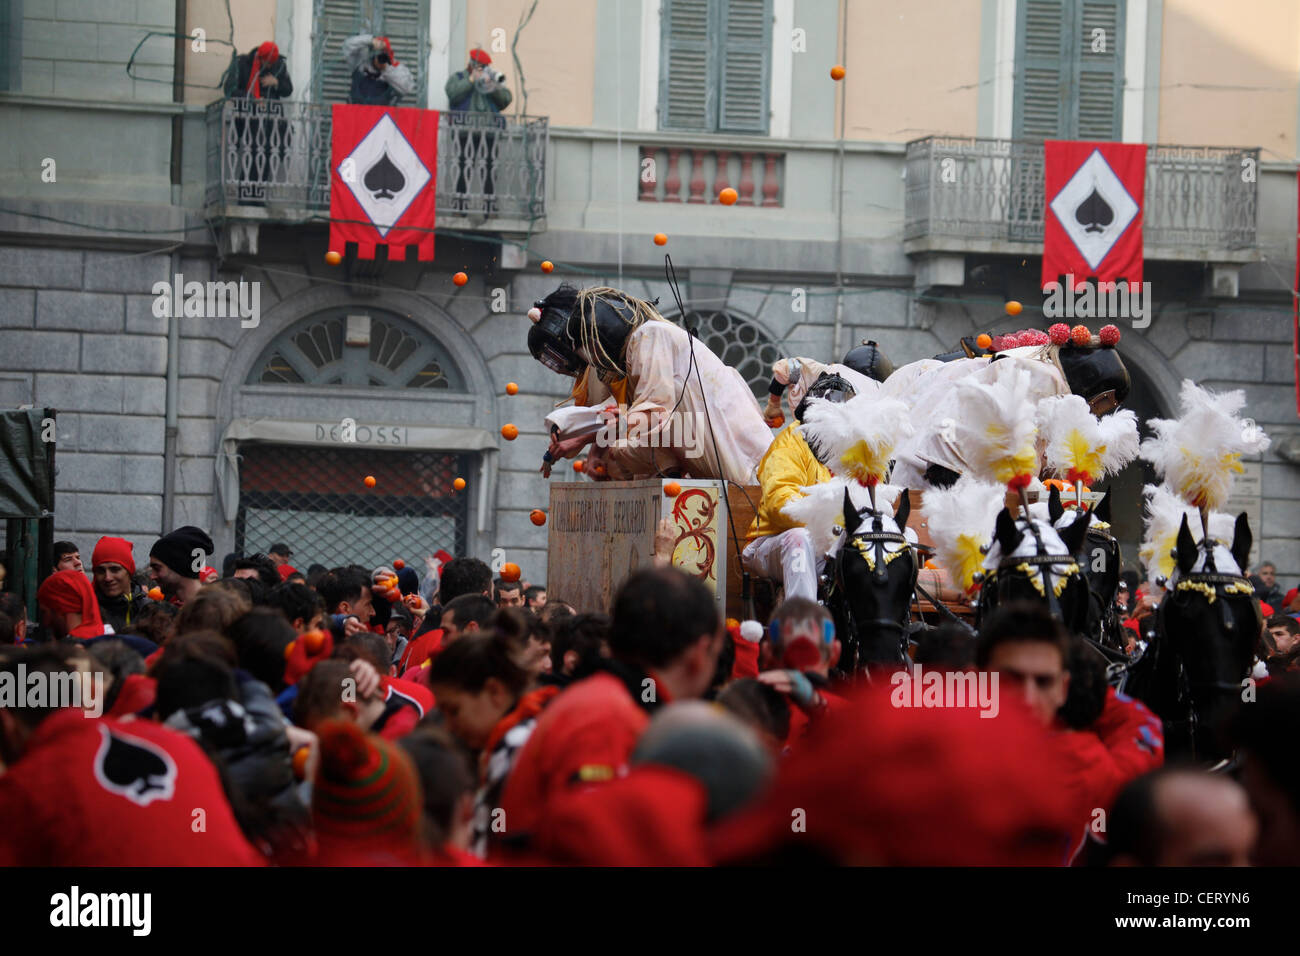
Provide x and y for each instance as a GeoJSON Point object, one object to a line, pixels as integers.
{"type": "Point", "coordinates": [1092, 224]}
{"type": "Point", "coordinates": [383, 180]}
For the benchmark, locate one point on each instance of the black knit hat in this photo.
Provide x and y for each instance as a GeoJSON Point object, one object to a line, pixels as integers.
{"type": "Point", "coordinates": [176, 550]}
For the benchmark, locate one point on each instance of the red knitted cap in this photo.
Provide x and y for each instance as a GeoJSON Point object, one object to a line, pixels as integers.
{"type": "Point", "coordinates": [365, 787]}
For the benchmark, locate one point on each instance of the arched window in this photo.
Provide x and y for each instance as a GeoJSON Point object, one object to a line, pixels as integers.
{"type": "Point", "coordinates": [357, 348]}
{"type": "Point", "coordinates": [740, 343]}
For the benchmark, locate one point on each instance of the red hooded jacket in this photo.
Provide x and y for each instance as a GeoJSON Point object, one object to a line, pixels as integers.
{"type": "Point", "coordinates": [110, 793]}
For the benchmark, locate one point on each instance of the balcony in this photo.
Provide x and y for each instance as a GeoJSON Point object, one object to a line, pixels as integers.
{"type": "Point", "coordinates": [269, 162]}
{"type": "Point", "coordinates": [1200, 203]}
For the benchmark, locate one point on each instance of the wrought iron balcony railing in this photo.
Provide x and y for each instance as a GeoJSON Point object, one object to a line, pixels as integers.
{"type": "Point", "coordinates": [271, 160]}
{"type": "Point", "coordinates": [987, 195]}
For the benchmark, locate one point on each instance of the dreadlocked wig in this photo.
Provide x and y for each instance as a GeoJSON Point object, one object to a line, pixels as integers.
{"type": "Point", "coordinates": [585, 326]}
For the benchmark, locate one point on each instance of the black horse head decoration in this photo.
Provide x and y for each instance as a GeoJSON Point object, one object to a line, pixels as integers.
{"type": "Point", "coordinates": [1038, 564]}
{"type": "Point", "coordinates": [1208, 624]}
{"type": "Point", "coordinates": [871, 579]}
{"type": "Point", "coordinates": [1100, 560]}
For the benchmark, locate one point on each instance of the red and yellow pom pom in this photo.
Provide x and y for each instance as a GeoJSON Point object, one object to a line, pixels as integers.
{"type": "Point", "coordinates": [1080, 335]}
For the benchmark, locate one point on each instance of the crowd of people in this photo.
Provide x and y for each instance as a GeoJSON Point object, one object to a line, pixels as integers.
{"type": "Point", "coordinates": [261, 715]}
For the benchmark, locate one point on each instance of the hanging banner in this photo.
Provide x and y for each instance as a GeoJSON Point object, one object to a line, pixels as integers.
{"type": "Point", "coordinates": [383, 180]}
{"type": "Point", "coordinates": [1092, 226]}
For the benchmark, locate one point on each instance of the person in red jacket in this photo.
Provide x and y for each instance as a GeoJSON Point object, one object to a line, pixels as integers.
{"type": "Point", "coordinates": [68, 606]}
{"type": "Point", "coordinates": [665, 638]}
{"type": "Point", "coordinates": [84, 792]}
{"type": "Point", "coordinates": [1030, 652]}
{"type": "Point", "coordinates": [803, 637]}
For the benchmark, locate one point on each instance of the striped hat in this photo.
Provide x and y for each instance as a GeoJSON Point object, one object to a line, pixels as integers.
{"type": "Point", "coordinates": [365, 787]}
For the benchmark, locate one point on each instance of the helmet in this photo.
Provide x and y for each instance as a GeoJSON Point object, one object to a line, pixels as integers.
{"type": "Point", "coordinates": [869, 360]}
{"type": "Point", "coordinates": [611, 325]}
{"type": "Point", "coordinates": [1092, 371]}
{"type": "Point", "coordinates": [831, 387]}
{"type": "Point", "coordinates": [548, 339]}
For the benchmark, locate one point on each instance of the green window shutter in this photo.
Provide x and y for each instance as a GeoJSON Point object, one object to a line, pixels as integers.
{"type": "Point", "coordinates": [406, 24]}
{"type": "Point", "coordinates": [746, 42]}
{"type": "Point", "coordinates": [1065, 89]}
{"type": "Point", "coordinates": [334, 21]}
{"type": "Point", "coordinates": [1101, 71]}
{"type": "Point", "coordinates": [1042, 69]}
{"type": "Point", "coordinates": [686, 89]}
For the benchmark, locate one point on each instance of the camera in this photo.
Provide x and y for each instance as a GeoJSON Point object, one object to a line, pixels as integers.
{"type": "Point", "coordinates": [383, 59]}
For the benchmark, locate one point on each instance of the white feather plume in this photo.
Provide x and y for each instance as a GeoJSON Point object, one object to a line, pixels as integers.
{"type": "Point", "coordinates": [1199, 453]}
{"type": "Point", "coordinates": [961, 519]}
{"type": "Point", "coordinates": [856, 438]}
{"type": "Point", "coordinates": [822, 508]}
{"type": "Point", "coordinates": [997, 429]}
{"type": "Point", "coordinates": [1163, 513]}
{"type": "Point", "coordinates": [1080, 444]}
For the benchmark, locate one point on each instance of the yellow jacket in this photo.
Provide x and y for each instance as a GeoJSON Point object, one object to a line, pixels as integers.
{"type": "Point", "coordinates": [788, 465]}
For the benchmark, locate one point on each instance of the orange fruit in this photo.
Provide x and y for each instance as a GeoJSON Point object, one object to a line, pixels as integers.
{"type": "Point", "coordinates": [547, 265]}
{"type": "Point", "coordinates": [333, 258]}
{"type": "Point", "coordinates": [459, 484]}
{"type": "Point", "coordinates": [460, 278]}
{"type": "Point", "coordinates": [837, 72]}
{"type": "Point", "coordinates": [728, 196]}
{"type": "Point", "coordinates": [313, 641]}
{"type": "Point", "coordinates": [579, 464]}
{"type": "Point", "coordinates": [300, 762]}
{"type": "Point", "coordinates": [672, 489]}
{"type": "Point", "coordinates": [288, 649]}
{"type": "Point", "coordinates": [509, 432]}
{"type": "Point", "coordinates": [537, 516]}
{"type": "Point", "coordinates": [1013, 307]}
{"type": "Point", "coordinates": [984, 340]}
{"type": "Point", "coordinates": [370, 481]}
{"type": "Point", "coordinates": [661, 239]}
{"type": "Point", "coordinates": [398, 563]}
{"type": "Point", "coordinates": [512, 388]}
{"type": "Point", "coordinates": [155, 594]}
{"type": "Point", "coordinates": [510, 572]}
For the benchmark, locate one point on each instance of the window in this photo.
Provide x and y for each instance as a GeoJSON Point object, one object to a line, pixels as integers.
{"type": "Point", "coordinates": [740, 343]}
{"type": "Point", "coordinates": [1069, 69]}
{"type": "Point", "coordinates": [715, 66]}
{"type": "Point", "coordinates": [356, 351]}
{"type": "Point", "coordinates": [11, 53]}
{"type": "Point", "coordinates": [404, 22]}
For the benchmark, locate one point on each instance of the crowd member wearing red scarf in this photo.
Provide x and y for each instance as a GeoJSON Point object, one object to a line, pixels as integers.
{"type": "Point", "coordinates": [68, 606]}
{"type": "Point", "coordinates": [483, 692]}
{"type": "Point", "coordinates": [261, 73]}
{"type": "Point", "coordinates": [665, 638]}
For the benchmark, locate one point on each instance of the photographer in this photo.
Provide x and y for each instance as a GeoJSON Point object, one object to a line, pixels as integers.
{"type": "Point", "coordinates": [475, 95]}
{"type": "Point", "coordinates": [378, 79]}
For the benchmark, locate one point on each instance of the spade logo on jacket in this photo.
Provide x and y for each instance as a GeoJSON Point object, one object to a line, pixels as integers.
{"type": "Point", "coordinates": [134, 768]}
